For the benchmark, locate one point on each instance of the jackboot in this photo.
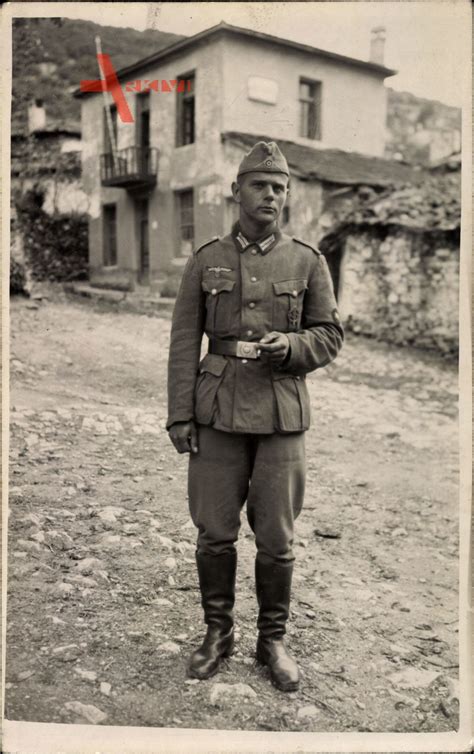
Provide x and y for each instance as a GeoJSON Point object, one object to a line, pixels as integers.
{"type": "Point", "coordinates": [217, 584]}
{"type": "Point", "coordinates": [273, 585]}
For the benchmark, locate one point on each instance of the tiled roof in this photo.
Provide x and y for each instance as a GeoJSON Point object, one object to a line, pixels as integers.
{"type": "Point", "coordinates": [432, 205]}
{"type": "Point", "coordinates": [335, 165]}
{"type": "Point", "coordinates": [52, 128]}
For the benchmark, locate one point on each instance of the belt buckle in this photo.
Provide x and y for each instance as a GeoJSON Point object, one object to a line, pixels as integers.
{"type": "Point", "coordinates": [246, 350]}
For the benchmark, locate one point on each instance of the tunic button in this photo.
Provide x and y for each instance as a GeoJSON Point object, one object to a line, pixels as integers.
{"type": "Point", "coordinates": [294, 293]}
{"type": "Point", "coordinates": [253, 280]}
{"type": "Point", "coordinates": [252, 305]}
{"type": "Point", "coordinates": [214, 291]}
{"type": "Point", "coordinates": [253, 251]}
{"type": "Point", "coordinates": [244, 361]}
{"type": "Point", "coordinates": [249, 332]}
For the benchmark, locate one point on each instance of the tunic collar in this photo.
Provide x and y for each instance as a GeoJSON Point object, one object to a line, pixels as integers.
{"type": "Point", "coordinates": [264, 244]}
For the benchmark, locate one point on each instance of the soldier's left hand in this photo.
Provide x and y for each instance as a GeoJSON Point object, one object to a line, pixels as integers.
{"type": "Point", "coordinates": [277, 345]}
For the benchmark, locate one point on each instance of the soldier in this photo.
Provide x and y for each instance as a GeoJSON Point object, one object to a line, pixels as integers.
{"type": "Point", "coordinates": [267, 305]}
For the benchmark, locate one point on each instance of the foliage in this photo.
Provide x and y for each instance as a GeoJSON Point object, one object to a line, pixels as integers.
{"type": "Point", "coordinates": [55, 246]}
{"type": "Point", "coordinates": [17, 277]}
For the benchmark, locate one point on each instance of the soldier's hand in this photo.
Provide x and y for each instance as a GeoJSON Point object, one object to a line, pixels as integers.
{"type": "Point", "coordinates": [277, 345]}
{"type": "Point", "coordinates": [184, 436]}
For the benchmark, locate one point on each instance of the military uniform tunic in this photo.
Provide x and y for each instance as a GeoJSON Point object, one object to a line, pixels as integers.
{"type": "Point", "coordinates": [251, 415]}
{"type": "Point", "coordinates": [235, 289]}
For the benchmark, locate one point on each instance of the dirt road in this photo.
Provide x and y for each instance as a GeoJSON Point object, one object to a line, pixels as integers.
{"type": "Point", "coordinates": [103, 603]}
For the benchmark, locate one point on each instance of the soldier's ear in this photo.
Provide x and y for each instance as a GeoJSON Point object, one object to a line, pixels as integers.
{"type": "Point", "coordinates": [236, 191]}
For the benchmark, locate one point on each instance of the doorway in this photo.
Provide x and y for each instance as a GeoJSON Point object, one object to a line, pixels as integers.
{"type": "Point", "coordinates": [141, 212]}
{"type": "Point", "coordinates": [334, 259]}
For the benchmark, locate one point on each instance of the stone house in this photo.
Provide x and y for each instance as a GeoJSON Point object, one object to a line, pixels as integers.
{"type": "Point", "coordinates": [395, 261]}
{"type": "Point", "coordinates": [166, 188]}
{"type": "Point", "coordinates": [46, 156]}
{"type": "Point", "coordinates": [45, 176]}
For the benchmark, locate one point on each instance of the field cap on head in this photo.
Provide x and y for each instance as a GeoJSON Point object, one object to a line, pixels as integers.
{"type": "Point", "coordinates": [264, 157]}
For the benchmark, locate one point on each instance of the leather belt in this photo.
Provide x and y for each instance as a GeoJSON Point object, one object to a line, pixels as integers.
{"type": "Point", "coordinates": [242, 349]}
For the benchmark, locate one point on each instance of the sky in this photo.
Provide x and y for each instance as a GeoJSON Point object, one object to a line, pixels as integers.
{"type": "Point", "coordinates": [428, 43]}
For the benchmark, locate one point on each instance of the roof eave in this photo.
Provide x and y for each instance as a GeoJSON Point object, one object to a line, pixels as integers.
{"type": "Point", "coordinates": [227, 28]}
{"type": "Point", "coordinates": [156, 57]}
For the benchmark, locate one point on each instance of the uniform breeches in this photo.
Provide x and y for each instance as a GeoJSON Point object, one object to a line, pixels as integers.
{"type": "Point", "coordinates": [267, 471]}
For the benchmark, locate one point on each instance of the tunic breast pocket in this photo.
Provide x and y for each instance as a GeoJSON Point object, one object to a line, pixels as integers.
{"type": "Point", "coordinates": [219, 301]}
{"type": "Point", "coordinates": [288, 304]}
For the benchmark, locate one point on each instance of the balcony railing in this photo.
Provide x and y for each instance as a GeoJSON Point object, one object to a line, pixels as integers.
{"type": "Point", "coordinates": [132, 167]}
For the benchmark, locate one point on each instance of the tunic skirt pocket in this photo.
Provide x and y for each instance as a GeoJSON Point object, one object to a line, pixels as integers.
{"type": "Point", "coordinates": [293, 404]}
{"type": "Point", "coordinates": [288, 304]}
{"type": "Point", "coordinates": [218, 304]}
{"type": "Point", "coordinates": [211, 374]}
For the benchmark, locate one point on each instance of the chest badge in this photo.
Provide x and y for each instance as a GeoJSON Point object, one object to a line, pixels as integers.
{"type": "Point", "coordinates": [217, 270]}
{"type": "Point", "coordinates": [293, 316]}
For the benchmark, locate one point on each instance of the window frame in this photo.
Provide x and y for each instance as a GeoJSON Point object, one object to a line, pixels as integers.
{"type": "Point", "coordinates": [182, 101]}
{"type": "Point", "coordinates": [308, 130]}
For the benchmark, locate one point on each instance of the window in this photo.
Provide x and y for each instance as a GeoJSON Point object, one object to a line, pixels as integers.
{"type": "Point", "coordinates": [186, 222]}
{"type": "Point", "coordinates": [110, 234]}
{"type": "Point", "coordinates": [185, 108]}
{"type": "Point", "coordinates": [143, 120]}
{"type": "Point", "coordinates": [113, 116]}
{"type": "Point", "coordinates": [310, 109]}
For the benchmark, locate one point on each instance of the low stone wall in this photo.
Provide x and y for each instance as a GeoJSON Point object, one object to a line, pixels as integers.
{"type": "Point", "coordinates": [401, 286]}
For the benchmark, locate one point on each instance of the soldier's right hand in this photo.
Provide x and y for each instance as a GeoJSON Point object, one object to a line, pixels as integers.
{"type": "Point", "coordinates": [184, 436]}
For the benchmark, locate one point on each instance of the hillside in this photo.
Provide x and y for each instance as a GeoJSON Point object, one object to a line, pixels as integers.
{"type": "Point", "coordinates": [51, 56]}
{"type": "Point", "coordinates": [420, 130]}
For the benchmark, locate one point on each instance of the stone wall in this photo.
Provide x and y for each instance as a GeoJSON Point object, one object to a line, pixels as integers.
{"type": "Point", "coordinates": [401, 286]}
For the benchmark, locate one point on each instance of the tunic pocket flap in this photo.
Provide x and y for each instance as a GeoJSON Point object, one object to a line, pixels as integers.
{"type": "Point", "coordinates": [285, 376]}
{"type": "Point", "coordinates": [290, 287]}
{"type": "Point", "coordinates": [213, 363]}
{"type": "Point", "coordinates": [217, 286]}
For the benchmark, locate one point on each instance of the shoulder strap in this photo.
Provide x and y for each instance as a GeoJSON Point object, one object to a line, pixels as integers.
{"type": "Point", "coordinates": [303, 243]}
{"type": "Point", "coordinates": [207, 243]}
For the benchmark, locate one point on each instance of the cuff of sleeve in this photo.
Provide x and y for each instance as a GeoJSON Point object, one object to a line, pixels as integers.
{"type": "Point", "coordinates": [290, 359]}
{"type": "Point", "coordinates": [178, 419]}
{"type": "Point", "coordinates": [286, 361]}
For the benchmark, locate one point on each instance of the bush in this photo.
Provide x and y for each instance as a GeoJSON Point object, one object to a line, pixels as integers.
{"type": "Point", "coordinates": [17, 277]}
{"type": "Point", "coordinates": [55, 246]}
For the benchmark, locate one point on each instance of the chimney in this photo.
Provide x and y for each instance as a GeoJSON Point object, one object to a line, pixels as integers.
{"type": "Point", "coordinates": [36, 116]}
{"type": "Point", "coordinates": [377, 45]}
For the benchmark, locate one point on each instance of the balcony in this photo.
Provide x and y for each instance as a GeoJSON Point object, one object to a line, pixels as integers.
{"type": "Point", "coordinates": [132, 168]}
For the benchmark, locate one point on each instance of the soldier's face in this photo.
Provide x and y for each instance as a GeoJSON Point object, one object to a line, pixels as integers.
{"type": "Point", "coordinates": [261, 196]}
